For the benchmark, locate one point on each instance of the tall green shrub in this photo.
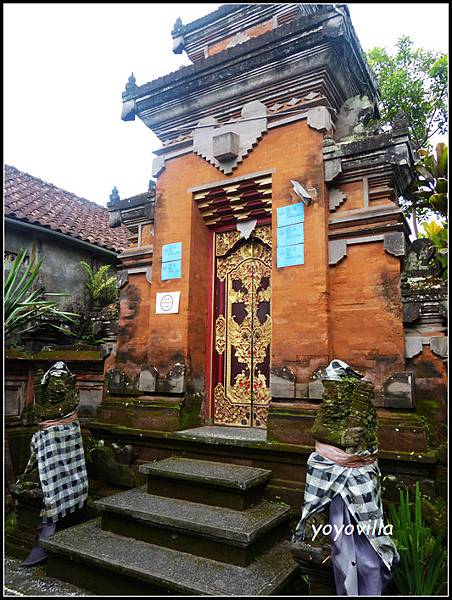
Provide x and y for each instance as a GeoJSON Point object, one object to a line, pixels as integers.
{"type": "Point", "coordinates": [422, 567]}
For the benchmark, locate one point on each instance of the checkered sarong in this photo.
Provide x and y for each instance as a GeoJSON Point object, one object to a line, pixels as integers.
{"type": "Point", "coordinates": [58, 450]}
{"type": "Point", "coordinates": [360, 489]}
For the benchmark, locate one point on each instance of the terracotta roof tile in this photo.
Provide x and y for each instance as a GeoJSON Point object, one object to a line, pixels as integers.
{"type": "Point", "coordinates": [27, 198]}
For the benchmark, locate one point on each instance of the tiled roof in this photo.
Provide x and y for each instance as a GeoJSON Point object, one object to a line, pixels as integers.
{"type": "Point", "coordinates": [27, 198]}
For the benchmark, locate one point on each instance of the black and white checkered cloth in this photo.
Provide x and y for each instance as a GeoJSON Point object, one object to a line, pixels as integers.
{"type": "Point", "coordinates": [360, 489]}
{"type": "Point", "coordinates": [58, 451]}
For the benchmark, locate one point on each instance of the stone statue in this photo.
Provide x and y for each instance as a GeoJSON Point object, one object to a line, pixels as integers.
{"type": "Point", "coordinates": [56, 470]}
{"type": "Point", "coordinates": [342, 493]}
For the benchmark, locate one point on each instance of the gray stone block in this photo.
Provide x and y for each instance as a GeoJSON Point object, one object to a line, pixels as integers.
{"type": "Point", "coordinates": [413, 346]}
{"type": "Point", "coordinates": [282, 382]}
{"type": "Point", "coordinates": [226, 146]}
{"type": "Point", "coordinates": [399, 391]}
{"type": "Point", "coordinates": [336, 198]}
{"type": "Point", "coordinates": [158, 166]}
{"type": "Point", "coordinates": [315, 390]}
{"type": "Point", "coordinates": [250, 130]}
{"type": "Point", "coordinates": [301, 390]}
{"type": "Point", "coordinates": [439, 345]}
{"type": "Point", "coordinates": [119, 383]}
{"type": "Point", "coordinates": [332, 168]}
{"type": "Point", "coordinates": [394, 243]}
{"type": "Point", "coordinates": [337, 250]}
{"type": "Point", "coordinates": [319, 118]}
{"type": "Point", "coordinates": [207, 472]}
{"type": "Point", "coordinates": [147, 380]}
{"type": "Point", "coordinates": [225, 525]}
{"type": "Point", "coordinates": [123, 565]}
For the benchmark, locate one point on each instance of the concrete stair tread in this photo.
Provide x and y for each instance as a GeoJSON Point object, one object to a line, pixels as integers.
{"type": "Point", "coordinates": [176, 571]}
{"type": "Point", "coordinates": [207, 473]}
{"type": "Point", "coordinates": [219, 523]}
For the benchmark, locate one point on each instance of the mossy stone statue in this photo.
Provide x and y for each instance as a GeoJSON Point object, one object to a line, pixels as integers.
{"type": "Point", "coordinates": [56, 395]}
{"type": "Point", "coordinates": [347, 404]}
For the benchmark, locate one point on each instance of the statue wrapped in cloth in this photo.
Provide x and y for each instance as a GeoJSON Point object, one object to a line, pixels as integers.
{"type": "Point", "coordinates": [57, 460]}
{"type": "Point", "coordinates": [343, 478]}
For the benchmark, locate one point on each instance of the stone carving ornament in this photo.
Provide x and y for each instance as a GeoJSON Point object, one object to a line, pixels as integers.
{"type": "Point", "coordinates": [249, 129]}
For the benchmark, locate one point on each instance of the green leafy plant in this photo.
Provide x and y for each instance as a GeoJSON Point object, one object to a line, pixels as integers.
{"type": "Point", "coordinates": [101, 284]}
{"type": "Point", "coordinates": [438, 235]}
{"type": "Point", "coordinates": [25, 308]}
{"type": "Point", "coordinates": [422, 554]}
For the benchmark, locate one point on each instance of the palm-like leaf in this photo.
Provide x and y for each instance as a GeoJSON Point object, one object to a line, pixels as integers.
{"type": "Point", "coordinates": [101, 284]}
{"type": "Point", "coordinates": [25, 308]}
{"type": "Point", "coordinates": [422, 555]}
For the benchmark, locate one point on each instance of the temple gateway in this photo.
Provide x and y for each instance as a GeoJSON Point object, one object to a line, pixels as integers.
{"type": "Point", "coordinates": [270, 241]}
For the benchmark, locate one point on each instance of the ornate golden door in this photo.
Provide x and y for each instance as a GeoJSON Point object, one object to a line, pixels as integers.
{"type": "Point", "coordinates": [242, 328]}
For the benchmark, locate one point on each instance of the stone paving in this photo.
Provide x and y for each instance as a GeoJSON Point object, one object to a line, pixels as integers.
{"type": "Point", "coordinates": [32, 581]}
{"type": "Point", "coordinates": [213, 432]}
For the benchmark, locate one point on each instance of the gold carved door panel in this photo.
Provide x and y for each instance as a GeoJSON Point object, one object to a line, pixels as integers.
{"type": "Point", "coordinates": [242, 336]}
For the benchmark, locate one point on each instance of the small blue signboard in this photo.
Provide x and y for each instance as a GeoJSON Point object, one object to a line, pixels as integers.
{"type": "Point", "coordinates": [172, 251]}
{"type": "Point", "coordinates": [288, 256]}
{"type": "Point", "coordinates": [288, 215]}
{"type": "Point", "coordinates": [171, 269]}
{"type": "Point", "coordinates": [291, 234]}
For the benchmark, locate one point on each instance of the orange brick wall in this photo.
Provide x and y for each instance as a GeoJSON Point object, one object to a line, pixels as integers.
{"type": "Point", "coordinates": [355, 196]}
{"type": "Point", "coordinates": [299, 300]}
{"type": "Point", "coordinates": [366, 319]}
{"type": "Point", "coordinates": [351, 310]}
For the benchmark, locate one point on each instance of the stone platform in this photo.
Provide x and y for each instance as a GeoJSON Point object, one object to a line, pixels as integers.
{"type": "Point", "coordinates": [150, 544]}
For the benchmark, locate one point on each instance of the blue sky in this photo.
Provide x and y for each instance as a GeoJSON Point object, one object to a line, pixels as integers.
{"type": "Point", "coordinates": [66, 65]}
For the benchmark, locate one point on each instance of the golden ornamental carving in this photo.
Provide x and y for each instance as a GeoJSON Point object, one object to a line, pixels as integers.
{"type": "Point", "coordinates": [260, 416]}
{"type": "Point", "coordinates": [237, 297]}
{"type": "Point", "coordinates": [230, 414]}
{"type": "Point", "coordinates": [263, 233]}
{"type": "Point", "coordinates": [220, 334]}
{"type": "Point", "coordinates": [261, 393]}
{"type": "Point", "coordinates": [225, 241]}
{"type": "Point", "coordinates": [241, 335]}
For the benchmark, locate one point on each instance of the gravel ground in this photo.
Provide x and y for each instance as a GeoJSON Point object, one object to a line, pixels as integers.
{"type": "Point", "coordinates": [32, 581]}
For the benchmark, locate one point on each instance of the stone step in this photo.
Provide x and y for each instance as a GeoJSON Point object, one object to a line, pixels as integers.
{"type": "Point", "coordinates": [206, 482]}
{"type": "Point", "coordinates": [107, 563]}
{"type": "Point", "coordinates": [223, 534]}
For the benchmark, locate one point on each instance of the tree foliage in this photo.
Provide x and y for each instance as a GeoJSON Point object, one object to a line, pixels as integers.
{"type": "Point", "coordinates": [413, 81]}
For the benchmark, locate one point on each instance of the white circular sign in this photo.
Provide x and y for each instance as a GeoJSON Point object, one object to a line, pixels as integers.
{"type": "Point", "coordinates": [166, 302]}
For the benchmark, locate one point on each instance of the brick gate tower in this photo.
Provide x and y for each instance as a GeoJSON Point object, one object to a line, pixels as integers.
{"type": "Point", "coordinates": [272, 240]}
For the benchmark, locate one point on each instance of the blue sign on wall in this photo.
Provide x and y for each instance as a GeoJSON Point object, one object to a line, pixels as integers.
{"type": "Point", "coordinates": [291, 234]}
{"type": "Point", "coordinates": [172, 251]}
{"type": "Point", "coordinates": [172, 261]}
{"type": "Point", "coordinates": [288, 256]}
{"type": "Point", "coordinates": [171, 269]}
{"type": "Point", "coordinates": [288, 215]}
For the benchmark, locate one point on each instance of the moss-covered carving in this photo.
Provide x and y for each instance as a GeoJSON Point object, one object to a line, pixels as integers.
{"type": "Point", "coordinates": [347, 404]}
{"type": "Point", "coordinates": [56, 395]}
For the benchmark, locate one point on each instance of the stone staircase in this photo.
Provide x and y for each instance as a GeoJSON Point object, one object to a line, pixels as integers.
{"type": "Point", "coordinates": [197, 528]}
